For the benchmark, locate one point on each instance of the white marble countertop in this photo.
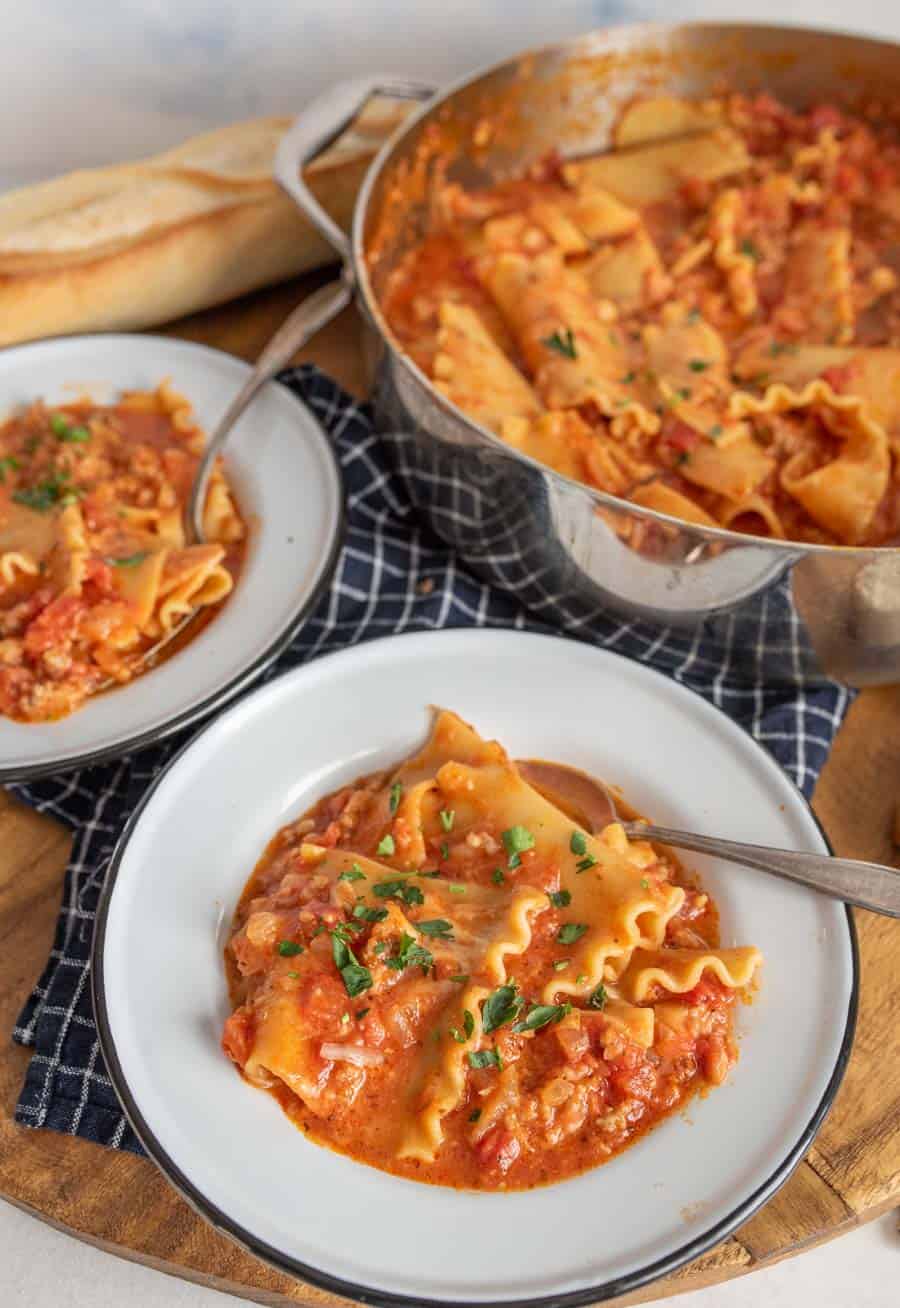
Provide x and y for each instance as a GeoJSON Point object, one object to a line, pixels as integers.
{"type": "Point", "coordinates": [137, 76]}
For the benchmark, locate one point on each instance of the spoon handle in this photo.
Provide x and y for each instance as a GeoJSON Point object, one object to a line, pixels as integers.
{"type": "Point", "coordinates": [869, 885]}
{"type": "Point", "coordinates": [300, 326]}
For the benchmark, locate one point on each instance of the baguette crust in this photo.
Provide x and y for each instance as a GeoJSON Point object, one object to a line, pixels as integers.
{"type": "Point", "coordinates": [140, 244]}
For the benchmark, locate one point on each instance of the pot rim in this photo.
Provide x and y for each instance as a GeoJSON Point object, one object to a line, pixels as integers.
{"type": "Point", "coordinates": [597, 40]}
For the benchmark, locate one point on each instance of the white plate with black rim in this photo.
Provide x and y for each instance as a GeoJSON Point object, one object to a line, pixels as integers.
{"type": "Point", "coordinates": [160, 995]}
{"type": "Point", "coordinates": [288, 484]}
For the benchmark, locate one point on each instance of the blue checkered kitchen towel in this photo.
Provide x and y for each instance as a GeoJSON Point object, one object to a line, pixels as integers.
{"type": "Point", "coordinates": [393, 575]}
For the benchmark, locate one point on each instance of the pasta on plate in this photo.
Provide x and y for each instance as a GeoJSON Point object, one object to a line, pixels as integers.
{"type": "Point", "coordinates": [441, 972]}
{"type": "Point", "coordinates": [704, 320]}
{"type": "Point", "coordinates": [94, 565]}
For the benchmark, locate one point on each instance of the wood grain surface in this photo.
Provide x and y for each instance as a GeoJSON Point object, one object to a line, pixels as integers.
{"type": "Point", "coordinates": [122, 1204]}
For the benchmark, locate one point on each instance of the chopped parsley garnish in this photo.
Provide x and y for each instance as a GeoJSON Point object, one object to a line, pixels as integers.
{"type": "Point", "coordinates": [46, 494]}
{"type": "Point", "coordinates": [541, 1015]}
{"type": "Point", "coordinates": [559, 898]}
{"type": "Point", "coordinates": [369, 914]}
{"type": "Point", "coordinates": [288, 948]}
{"type": "Point", "coordinates": [64, 430]}
{"type": "Point", "coordinates": [386, 845]}
{"type": "Point", "coordinates": [9, 463]}
{"type": "Point", "coordinates": [585, 864]}
{"type": "Point", "coordinates": [715, 431]}
{"type": "Point", "coordinates": [497, 877]}
{"type": "Point", "coordinates": [501, 1006]}
{"type": "Point", "coordinates": [457, 890]}
{"type": "Point", "coordinates": [353, 873]}
{"type": "Point", "coordinates": [399, 890]}
{"type": "Point", "coordinates": [569, 932]}
{"type": "Point", "coordinates": [561, 964]}
{"type": "Point", "coordinates": [516, 841]}
{"type": "Point", "coordinates": [628, 378]}
{"type": "Point", "coordinates": [468, 1027]}
{"type": "Point", "coordinates": [360, 1014]}
{"type": "Point", "coordinates": [693, 315]}
{"type": "Point", "coordinates": [479, 1058]}
{"type": "Point", "coordinates": [645, 884]}
{"type": "Point", "coordinates": [381, 947]}
{"type": "Point", "coordinates": [445, 850]}
{"type": "Point", "coordinates": [563, 343]}
{"type": "Point", "coordinates": [597, 997]}
{"type": "Point", "coordinates": [748, 248]}
{"type": "Point", "coordinates": [345, 1019]}
{"type": "Point", "coordinates": [577, 843]}
{"type": "Point", "coordinates": [698, 365]}
{"type": "Point", "coordinates": [475, 1114]}
{"type": "Point", "coordinates": [295, 976]}
{"type": "Point", "coordinates": [461, 977]}
{"type": "Point", "coordinates": [129, 561]}
{"type": "Point", "coordinates": [356, 978]}
{"type": "Point", "coordinates": [447, 816]}
{"type": "Point", "coordinates": [396, 796]}
{"type": "Point", "coordinates": [410, 954]}
{"type": "Point", "coordinates": [683, 392]}
{"type": "Point", "coordinates": [438, 927]}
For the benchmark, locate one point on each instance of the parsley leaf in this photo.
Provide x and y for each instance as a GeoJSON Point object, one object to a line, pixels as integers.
{"type": "Point", "coordinates": [475, 1114]}
{"type": "Point", "coordinates": [541, 1015]}
{"type": "Point", "coordinates": [597, 997]}
{"type": "Point", "coordinates": [410, 954]}
{"type": "Point", "coordinates": [715, 431]}
{"type": "Point", "coordinates": [563, 343]}
{"type": "Point", "coordinates": [698, 365]}
{"type": "Point", "coordinates": [46, 494]}
{"type": "Point", "coordinates": [516, 841]}
{"type": "Point", "coordinates": [748, 248]}
{"type": "Point", "coordinates": [288, 948]}
{"type": "Point", "coordinates": [461, 977]}
{"type": "Point", "coordinates": [586, 863]}
{"type": "Point", "coordinates": [485, 1058]}
{"type": "Point", "coordinates": [468, 1027]}
{"type": "Point", "coordinates": [353, 873]}
{"type": "Point", "coordinates": [561, 964]}
{"type": "Point", "coordinates": [447, 816]}
{"type": "Point", "coordinates": [369, 914]}
{"type": "Point", "coordinates": [497, 877]}
{"type": "Point", "coordinates": [399, 890]}
{"type": "Point", "coordinates": [445, 850]}
{"type": "Point", "coordinates": [129, 561]}
{"type": "Point", "coordinates": [559, 898]}
{"type": "Point", "coordinates": [569, 932]}
{"type": "Point", "coordinates": [386, 845]}
{"type": "Point", "coordinates": [356, 978]}
{"type": "Point", "coordinates": [396, 795]}
{"type": "Point", "coordinates": [360, 1014]}
{"type": "Point", "coordinates": [501, 1006]}
{"type": "Point", "coordinates": [9, 463]}
{"type": "Point", "coordinates": [577, 843]}
{"type": "Point", "coordinates": [438, 927]}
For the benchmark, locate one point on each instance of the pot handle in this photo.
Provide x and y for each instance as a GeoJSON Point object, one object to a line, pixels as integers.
{"type": "Point", "coordinates": [319, 125]}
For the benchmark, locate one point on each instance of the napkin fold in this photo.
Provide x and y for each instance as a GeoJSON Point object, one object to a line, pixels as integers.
{"type": "Point", "coordinates": [393, 575]}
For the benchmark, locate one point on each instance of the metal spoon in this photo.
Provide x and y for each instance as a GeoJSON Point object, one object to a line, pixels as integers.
{"type": "Point", "coordinates": [299, 327]}
{"type": "Point", "coordinates": [869, 885]}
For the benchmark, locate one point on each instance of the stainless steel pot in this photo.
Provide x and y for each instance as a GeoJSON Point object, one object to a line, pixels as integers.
{"type": "Point", "coordinates": [564, 549]}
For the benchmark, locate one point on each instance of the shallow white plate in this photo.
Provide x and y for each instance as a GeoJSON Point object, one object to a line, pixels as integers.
{"type": "Point", "coordinates": [160, 996]}
{"type": "Point", "coordinates": [288, 485]}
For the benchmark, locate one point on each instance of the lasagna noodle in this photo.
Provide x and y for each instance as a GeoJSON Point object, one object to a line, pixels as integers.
{"type": "Point", "coordinates": [659, 118]}
{"type": "Point", "coordinates": [819, 283]}
{"type": "Point", "coordinates": [630, 273]}
{"type": "Point", "coordinates": [680, 970]}
{"type": "Point", "coordinates": [473, 372]}
{"type": "Point", "coordinates": [574, 356]}
{"type": "Point", "coordinates": [843, 494]}
{"type": "Point", "coordinates": [652, 173]}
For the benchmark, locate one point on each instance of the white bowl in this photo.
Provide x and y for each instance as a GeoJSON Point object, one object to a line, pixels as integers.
{"type": "Point", "coordinates": [160, 995]}
{"type": "Point", "coordinates": [288, 485]}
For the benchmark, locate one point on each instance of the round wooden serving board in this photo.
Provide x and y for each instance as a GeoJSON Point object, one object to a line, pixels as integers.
{"type": "Point", "coordinates": [123, 1204]}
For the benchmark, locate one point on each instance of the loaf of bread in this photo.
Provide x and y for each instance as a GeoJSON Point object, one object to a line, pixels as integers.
{"type": "Point", "coordinates": [138, 244]}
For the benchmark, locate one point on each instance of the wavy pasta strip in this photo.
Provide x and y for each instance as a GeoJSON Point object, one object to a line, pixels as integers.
{"type": "Point", "coordinates": [473, 372]}
{"type": "Point", "coordinates": [680, 970]}
{"type": "Point", "coordinates": [574, 356]}
{"type": "Point", "coordinates": [629, 273]}
{"type": "Point", "coordinates": [651, 173]}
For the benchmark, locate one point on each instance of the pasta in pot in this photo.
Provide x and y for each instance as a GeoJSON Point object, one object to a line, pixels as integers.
{"type": "Point", "coordinates": [710, 312]}
{"type": "Point", "coordinates": [440, 972]}
{"type": "Point", "coordinates": [94, 566]}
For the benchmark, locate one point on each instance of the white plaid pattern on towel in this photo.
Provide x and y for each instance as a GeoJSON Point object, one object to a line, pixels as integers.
{"type": "Point", "coordinates": [393, 575]}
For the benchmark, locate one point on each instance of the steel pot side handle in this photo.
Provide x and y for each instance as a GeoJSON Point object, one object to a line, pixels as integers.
{"type": "Point", "coordinates": [318, 126]}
